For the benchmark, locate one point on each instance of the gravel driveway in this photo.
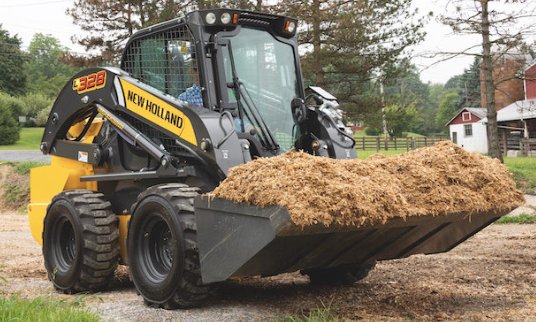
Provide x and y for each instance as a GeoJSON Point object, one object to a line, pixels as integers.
{"type": "Point", "coordinates": [489, 277]}
{"type": "Point", "coordinates": [23, 155]}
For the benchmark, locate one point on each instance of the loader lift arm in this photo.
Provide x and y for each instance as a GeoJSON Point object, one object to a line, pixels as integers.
{"type": "Point", "coordinates": [111, 104]}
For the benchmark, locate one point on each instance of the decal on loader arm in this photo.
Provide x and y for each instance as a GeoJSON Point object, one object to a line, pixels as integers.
{"type": "Point", "coordinates": [158, 111]}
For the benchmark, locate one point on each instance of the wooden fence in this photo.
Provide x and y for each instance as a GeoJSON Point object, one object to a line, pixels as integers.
{"type": "Point", "coordinates": [394, 143]}
{"type": "Point", "coordinates": [517, 143]}
{"type": "Point", "coordinates": [528, 146]}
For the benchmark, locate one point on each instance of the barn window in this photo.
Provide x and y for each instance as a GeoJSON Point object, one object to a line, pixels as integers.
{"type": "Point", "coordinates": [468, 129]}
{"type": "Point", "coordinates": [466, 116]}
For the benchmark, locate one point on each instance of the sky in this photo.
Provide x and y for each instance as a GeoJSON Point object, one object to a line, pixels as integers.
{"type": "Point", "coordinates": [27, 17]}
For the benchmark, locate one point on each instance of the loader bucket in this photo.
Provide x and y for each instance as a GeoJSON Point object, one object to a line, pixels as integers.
{"type": "Point", "coordinates": [242, 240]}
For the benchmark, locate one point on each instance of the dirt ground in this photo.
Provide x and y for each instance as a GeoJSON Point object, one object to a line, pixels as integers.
{"type": "Point", "coordinates": [489, 277]}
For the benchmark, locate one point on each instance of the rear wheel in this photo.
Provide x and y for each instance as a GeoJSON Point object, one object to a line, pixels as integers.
{"type": "Point", "coordinates": [80, 241]}
{"type": "Point", "coordinates": [162, 247]}
{"type": "Point", "coordinates": [342, 275]}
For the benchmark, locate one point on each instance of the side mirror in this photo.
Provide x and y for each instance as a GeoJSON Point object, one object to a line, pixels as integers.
{"type": "Point", "coordinates": [299, 110]}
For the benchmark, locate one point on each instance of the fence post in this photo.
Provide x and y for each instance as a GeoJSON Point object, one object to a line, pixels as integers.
{"type": "Point", "coordinates": [363, 143]}
{"type": "Point", "coordinates": [407, 144]}
{"type": "Point", "coordinates": [504, 143]}
{"type": "Point", "coordinates": [377, 143]}
{"type": "Point", "coordinates": [395, 144]}
{"type": "Point", "coordinates": [425, 141]}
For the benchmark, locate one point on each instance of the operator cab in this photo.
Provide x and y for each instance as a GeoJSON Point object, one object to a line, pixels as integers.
{"type": "Point", "coordinates": [229, 61]}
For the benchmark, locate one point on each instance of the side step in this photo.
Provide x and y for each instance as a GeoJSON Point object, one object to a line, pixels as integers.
{"type": "Point", "coordinates": [243, 240]}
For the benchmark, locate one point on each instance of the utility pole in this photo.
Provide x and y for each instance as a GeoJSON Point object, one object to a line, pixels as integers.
{"type": "Point", "coordinates": [384, 120]}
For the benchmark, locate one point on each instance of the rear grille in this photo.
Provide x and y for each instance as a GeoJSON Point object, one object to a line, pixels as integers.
{"type": "Point", "coordinates": [252, 19]}
{"type": "Point", "coordinates": [253, 22]}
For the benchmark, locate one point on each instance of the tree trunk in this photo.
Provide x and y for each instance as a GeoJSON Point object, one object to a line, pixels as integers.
{"type": "Point", "coordinates": [129, 19]}
{"type": "Point", "coordinates": [317, 45]}
{"type": "Point", "coordinates": [494, 150]}
{"type": "Point", "coordinates": [141, 12]}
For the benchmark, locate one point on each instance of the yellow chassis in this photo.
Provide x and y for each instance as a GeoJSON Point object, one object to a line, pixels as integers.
{"type": "Point", "coordinates": [64, 174]}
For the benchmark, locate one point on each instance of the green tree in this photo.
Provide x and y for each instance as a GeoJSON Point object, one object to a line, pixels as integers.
{"type": "Point", "coordinates": [400, 119]}
{"type": "Point", "coordinates": [108, 24]}
{"type": "Point", "coordinates": [347, 42]}
{"type": "Point", "coordinates": [436, 93]}
{"type": "Point", "coordinates": [14, 104]}
{"type": "Point", "coordinates": [448, 106]}
{"type": "Point", "coordinates": [402, 89]}
{"type": "Point", "coordinates": [12, 79]}
{"type": "Point", "coordinates": [405, 89]}
{"type": "Point", "coordinates": [467, 85]}
{"type": "Point", "coordinates": [470, 89]}
{"type": "Point", "coordinates": [44, 70]}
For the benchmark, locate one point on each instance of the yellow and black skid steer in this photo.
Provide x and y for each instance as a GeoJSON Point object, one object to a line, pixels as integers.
{"type": "Point", "coordinates": [133, 149]}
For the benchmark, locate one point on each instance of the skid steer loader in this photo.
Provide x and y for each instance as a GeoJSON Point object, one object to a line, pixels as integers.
{"type": "Point", "coordinates": [133, 149]}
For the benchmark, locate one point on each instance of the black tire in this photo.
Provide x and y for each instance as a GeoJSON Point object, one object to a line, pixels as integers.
{"type": "Point", "coordinates": [80, 241]}
{"type": "Point", "coordinates": [342, 275]}
{"type": "Point", "coordinates": [162, 247]}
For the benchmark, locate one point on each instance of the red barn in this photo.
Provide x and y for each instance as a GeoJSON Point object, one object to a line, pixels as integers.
{"type": "Point", "coordinates": [530, 82]}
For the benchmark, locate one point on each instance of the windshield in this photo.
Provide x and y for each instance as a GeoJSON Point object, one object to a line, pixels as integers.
{"type": "Point", "coordinates": [267, 70]}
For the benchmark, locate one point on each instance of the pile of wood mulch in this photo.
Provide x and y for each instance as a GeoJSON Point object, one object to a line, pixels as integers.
{"type": "Point", "coordinates": [14, 188]}
{"type": "Point", "coordinates": [437, 180]}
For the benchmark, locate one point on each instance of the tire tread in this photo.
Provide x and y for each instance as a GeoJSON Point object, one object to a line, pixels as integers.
{"type": "Point", "coordinates": [191, 291]}
{"type": "Point", "coordinates": [100, 241]}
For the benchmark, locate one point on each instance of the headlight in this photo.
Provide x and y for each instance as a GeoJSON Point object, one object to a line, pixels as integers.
{"type": "Point", "coordinates": [210, 18]}
{"type": "Point", "coordinates": [290, 26]}
{"type": "Point", "coordinates": [225, 18]}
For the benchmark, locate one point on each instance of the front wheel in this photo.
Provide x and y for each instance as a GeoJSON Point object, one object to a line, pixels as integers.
{"type": "Point", "coordinates": [162, 247]}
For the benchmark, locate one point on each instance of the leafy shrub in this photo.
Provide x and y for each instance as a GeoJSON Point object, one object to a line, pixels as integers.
{"type": "Point", "coordinates": [9, 127]}
{"type": "Point", "coordinates": [14, 104]}
{"type": "Point", "coordinates": [372, 131]}
{"type": "Point", "coordinates": [42, 117]}
{"type": "Point", "coordinates": [33, 105]}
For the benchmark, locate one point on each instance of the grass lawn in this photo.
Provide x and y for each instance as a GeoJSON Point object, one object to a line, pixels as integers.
{"type": "Point", "coordinates": [30, 138]}
{"type": "Point", "coordinates": [524, 172]}
{"type": "Point", "coordinates": [43, 309]}
{"type": "Point", "coordinates": [367, 153]}
{"type": "Point", "coordinates": [517, 219]}
{"type": "Point", "coordinates": [362, 133]}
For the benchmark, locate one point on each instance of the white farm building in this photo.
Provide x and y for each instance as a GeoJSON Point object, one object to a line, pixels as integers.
{"type": "Point", "coordinates": [468, 130]}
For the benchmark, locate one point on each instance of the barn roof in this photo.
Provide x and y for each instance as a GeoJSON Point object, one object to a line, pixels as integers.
{"type": "Point", "coordinates": [477, 111]}
{"type": "Point", "coordinates": [520, 110]}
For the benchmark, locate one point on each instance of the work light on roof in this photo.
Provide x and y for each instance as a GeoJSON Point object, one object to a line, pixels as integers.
{"type": "Point", "coordinates": [290, 26]}
{"type": "Point", "coordinates": [210, 18]}
{"type": "Point", "coordinates": [225, 18]}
